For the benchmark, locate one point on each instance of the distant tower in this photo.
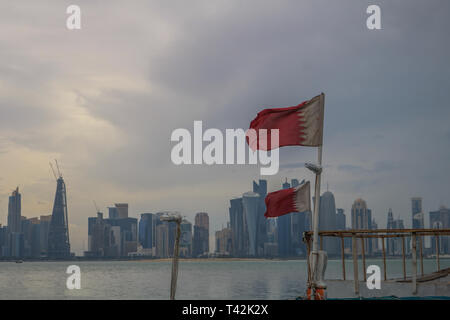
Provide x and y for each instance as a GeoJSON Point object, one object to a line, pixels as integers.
{"type": "Point", "coordinates": [58, 234]}
{"type": "Point", "coordinates": [417, 214]}
{"type": "Point", "coordinates": [14, 212]}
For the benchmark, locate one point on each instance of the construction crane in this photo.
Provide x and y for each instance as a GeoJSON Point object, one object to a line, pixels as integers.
{"type": "Point", "coordinates": [59, 172]}
{"type": "Point", "coordinates": [95, 205]}
{"type": "Point", "coordinates": [53, 170]}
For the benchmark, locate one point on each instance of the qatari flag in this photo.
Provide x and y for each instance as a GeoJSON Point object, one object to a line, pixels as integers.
{"type": "Point", "coordinates": [300, 125]}
{"type": "Point", "coordinates": [285, 201]}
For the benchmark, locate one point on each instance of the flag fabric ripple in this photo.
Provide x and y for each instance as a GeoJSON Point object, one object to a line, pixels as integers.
{"type": "Point", "coordinates": [285, 201]}
{"type": "Point", "coordinates": [300, 125]}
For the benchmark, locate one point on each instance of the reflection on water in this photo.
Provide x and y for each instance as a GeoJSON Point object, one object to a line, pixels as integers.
{"type": "Point", "coordinates": [264, 279]}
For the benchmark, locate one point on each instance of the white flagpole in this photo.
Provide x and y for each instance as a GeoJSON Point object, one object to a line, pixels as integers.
{"type": "Point", "coordinates": [315, 249]}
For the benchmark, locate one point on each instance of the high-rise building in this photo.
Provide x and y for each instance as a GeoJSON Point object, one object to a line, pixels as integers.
{"type": "Point", "coordinates": [394, 245]}
{"type": "Point", "coordinates": [284, 236]}
{"type": "Point", "coordinates": [186, 239]}
{"type": "Point", "coordinates": [340, 219]}
{"type": "Point", "coordinates": [172, 236]}
{"type": "Point", "coordinates": [147, 230]}
{"type": "Point", "coordinates": [201, 235]}
{"type": "Point", "coordinates": [250, 201]}
{"type": "Point", "coordinates": [122, 210]}
{"type": "Point", "coordinates": [417, 213]}
{"type": "Point", "coordinates": [14, 211]}
{"type": "Point", "coordinates": [113, 213]}
{"type": "Point", "coordinates": [162, 240]}
{"type": "Point", "coordinates": [260, 188]}
{"type": "Point", "coordinates": [223, 241]}
{"type": "Point", "coordinates": [58, 235]}
{"type": "Point", "coordinates": [238, 229]}
{"type": "Point", "coordinates": [100, 240]}
{"type": "Point", "coordinates": [327, 221]}
{"type": "Point", "coordinates": [362, 220]}
{"type": "Point", "coordinates": [440, 219]}
{"type": "Point", "coordinates": [3, 241]}
{"type": "Point", "coordinates": [128, 234]}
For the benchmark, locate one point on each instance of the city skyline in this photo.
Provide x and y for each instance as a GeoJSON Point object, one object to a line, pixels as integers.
{"type": "Point", "coordinates": [360, 216]}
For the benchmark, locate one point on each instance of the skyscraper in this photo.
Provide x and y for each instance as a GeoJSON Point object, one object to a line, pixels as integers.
{"type": "Point", "coordinates": [284, 238]}
{"type": "Point", "coordinates": [440, 219]}
{"type": "Point", "coordinates": [362, 220]}
{"type": "Point", "coordinates": [201, 235]}
{"type": "Point", "coordinates": [340, 219]}
{"type": "Point", "coordinates": [238, 230]}
{"type": "Point", "coordinates": [250, 202]}
{"type": "Point", "coordinates": [186, 239]}
{"type": "Point", "coordinates": [58, 235]}
{"type": "Point", "coordinates": [394, 245]}
{"type": "Point", "coordinates": [122, 210]}
{"type": "Point", "coordinates": [14, 244]}
{"type": "Point", "coordinates": [14, 211]}
{"type": "Point", "coordinates": [417, 213]}
{"type": "Point", "coordinates": [260, 188]}
{"type": "Point", "coordinates": [327, 221]}
{"type": "Point", "coordinates": [162, 240]}
{"type": "Point", "coordinates": [147, 230]}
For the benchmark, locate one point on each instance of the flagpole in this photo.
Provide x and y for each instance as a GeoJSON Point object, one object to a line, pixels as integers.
{"type": "Point", "coordinates": [315, 249]}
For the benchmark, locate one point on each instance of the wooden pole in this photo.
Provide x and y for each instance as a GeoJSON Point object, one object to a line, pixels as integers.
{"type": "Point", "coordinates": [308, 249]}
{"type": "Point", "coordinates": [414, 263]}
{"type": "Point", "coordinates": [421, 255]}
{"type": "Point", "coordinates": [363, 255]}
{"type": "Point", "coordinates": [437, 252]}
{"type": "Point", "coordinates": [321, 242]}
{"type": "Point", "coordinates": [355, 264]}
{"type": "Point", "coordinates": [403, 257]}
{"type": "Point", "coordinates": [343, 256]}
{"type": "Point", "coordinates": [384, 259]}
{"type": "Point", "coordinates": [315, 246]}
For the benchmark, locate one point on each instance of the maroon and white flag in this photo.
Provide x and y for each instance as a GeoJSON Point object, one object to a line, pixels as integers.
{"type": "Point", "coordinates": [300, 125]}
{"type": "Point", "coordinates": [285, 201]}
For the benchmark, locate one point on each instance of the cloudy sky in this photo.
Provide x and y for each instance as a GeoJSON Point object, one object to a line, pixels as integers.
{"type": "Point", "coordinates": [104, 100]}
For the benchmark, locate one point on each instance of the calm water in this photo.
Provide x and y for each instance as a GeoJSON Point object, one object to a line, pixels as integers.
{"type": "Point", "coordinates": [150, 280]}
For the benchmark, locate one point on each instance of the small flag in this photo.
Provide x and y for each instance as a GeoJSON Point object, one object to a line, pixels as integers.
{"type": "Point", "coordinates": [285, 201]}
{"type": "Point", "coordinates": [300, 125]}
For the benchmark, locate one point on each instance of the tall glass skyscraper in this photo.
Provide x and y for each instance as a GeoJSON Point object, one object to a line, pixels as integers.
{"type": "Point", "coordinates": [251, 203]}
{"type": "Point", "coordinates": [238, 230]}
{"type": "Point", "coordinates": [284, 231]}
{"type": "Point", "coordinates": [147, 230]}
{"type": "Point", "coordinates": [14, 211]}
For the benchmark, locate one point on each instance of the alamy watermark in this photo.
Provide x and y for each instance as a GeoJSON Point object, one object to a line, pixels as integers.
{"type": "Point", "coordinates": [189, 149]}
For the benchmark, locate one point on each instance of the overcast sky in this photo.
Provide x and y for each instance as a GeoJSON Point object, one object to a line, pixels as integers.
{"type": "Point", "coordinates": [104, 100]}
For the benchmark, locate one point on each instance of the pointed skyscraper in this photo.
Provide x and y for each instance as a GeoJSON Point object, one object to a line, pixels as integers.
{"type": "Point", "coordinates": [58, 235]}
